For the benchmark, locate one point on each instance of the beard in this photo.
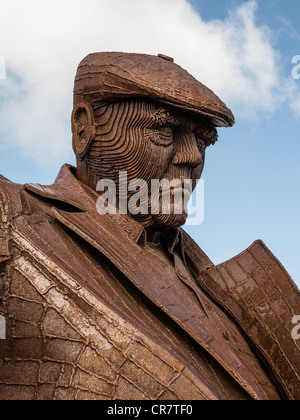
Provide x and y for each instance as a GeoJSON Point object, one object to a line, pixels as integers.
{"type": "Point", "coordinates": [168, 221]}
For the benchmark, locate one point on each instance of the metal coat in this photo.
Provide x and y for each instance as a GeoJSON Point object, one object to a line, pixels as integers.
{"type": "Point", "coordinates": [92, 314]}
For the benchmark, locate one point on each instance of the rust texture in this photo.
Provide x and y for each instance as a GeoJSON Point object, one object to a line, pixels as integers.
{"type": "Point", "coordinates": [128, 307]}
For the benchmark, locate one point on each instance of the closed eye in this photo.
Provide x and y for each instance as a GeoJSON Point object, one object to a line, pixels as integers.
{"type": "Point", "coordinates": [161, 137]}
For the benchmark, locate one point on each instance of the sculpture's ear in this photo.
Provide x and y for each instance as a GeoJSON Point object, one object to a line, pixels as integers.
{"type": "Point", "coordinates": [83, 128]}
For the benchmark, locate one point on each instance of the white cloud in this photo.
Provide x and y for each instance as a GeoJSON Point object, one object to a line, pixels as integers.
{"type": "Point", "coordinates": [44, 41]}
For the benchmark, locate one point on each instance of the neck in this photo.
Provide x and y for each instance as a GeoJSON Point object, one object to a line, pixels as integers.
{"type": "Point", "coordinates": [153, 236]}
{"type": "Point", "coordinates": [86, 175]}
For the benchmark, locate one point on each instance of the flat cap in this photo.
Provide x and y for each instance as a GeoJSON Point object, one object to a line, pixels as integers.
{"type": "Point", "coordinates": [113, 76]}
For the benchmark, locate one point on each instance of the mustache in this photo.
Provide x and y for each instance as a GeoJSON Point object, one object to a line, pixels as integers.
{"type": "Point", "coordinates": [183, 173]}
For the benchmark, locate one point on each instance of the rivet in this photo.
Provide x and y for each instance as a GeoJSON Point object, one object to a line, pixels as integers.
{"type": "Point", "coordinates": [165, 57]}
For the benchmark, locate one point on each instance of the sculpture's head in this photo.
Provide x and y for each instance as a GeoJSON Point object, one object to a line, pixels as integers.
{"type": "Point", "coordinates": [147, 116]}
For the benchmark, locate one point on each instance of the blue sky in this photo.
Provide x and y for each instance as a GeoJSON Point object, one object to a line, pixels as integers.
{"type": "Point", "coordinates": [243, 50]}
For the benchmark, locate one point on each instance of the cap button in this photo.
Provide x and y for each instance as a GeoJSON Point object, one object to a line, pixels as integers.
{"type": "Point", "coordinates": [165, 57]}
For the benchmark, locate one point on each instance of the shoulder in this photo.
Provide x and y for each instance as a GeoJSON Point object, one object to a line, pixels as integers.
{"type": "Point", "coordinates": [11, 199]}
{"type": "Point", "coordinates": [261, 296]}
{"type": "Point", "coordinates": [7, 188]}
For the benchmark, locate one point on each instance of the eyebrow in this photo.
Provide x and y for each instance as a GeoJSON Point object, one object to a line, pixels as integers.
{"type": "Point", "coordinates": [201, 127]}
{"type": "Point", "coordinates": [176, 118]}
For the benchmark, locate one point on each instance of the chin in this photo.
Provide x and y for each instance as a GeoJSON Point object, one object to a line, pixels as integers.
{"type": "Point", "coordinates": [169, 221]}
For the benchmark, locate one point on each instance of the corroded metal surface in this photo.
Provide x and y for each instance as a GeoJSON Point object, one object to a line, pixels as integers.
{"type": "Point", "coordinates": [95, 306]}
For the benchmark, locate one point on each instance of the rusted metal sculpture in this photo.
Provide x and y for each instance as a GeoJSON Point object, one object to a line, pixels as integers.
{"type": "Point", "coordinates": [128, 307]}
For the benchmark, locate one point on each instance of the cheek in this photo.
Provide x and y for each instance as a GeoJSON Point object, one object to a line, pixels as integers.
{"type": "Point", "coordinates": [151, 160]}
{"type": "Point", "coordinates": [158, 160]}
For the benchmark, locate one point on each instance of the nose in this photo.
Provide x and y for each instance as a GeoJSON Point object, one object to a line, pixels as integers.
{"type": "Point", "coordinates": [186, 150]}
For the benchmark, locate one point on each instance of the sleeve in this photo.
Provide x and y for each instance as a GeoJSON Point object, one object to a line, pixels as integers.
{"type": "Point", "coordinates": [263, 299]}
